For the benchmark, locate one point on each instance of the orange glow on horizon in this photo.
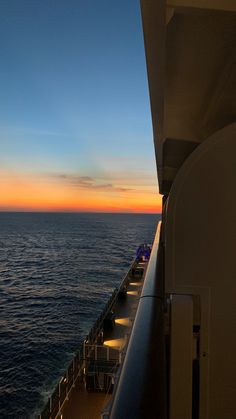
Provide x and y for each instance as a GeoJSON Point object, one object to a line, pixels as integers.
{"type": "Point", "coordinates": [35, 193]}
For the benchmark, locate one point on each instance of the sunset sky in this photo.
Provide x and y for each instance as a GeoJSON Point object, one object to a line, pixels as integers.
{"type": "Point", "coordinates": [75, 123]}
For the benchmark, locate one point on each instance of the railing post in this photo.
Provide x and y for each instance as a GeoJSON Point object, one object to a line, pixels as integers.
{"type": "Point", "coordinates": [50, 404]}
{"type": "Point", "coordinates": [67, 384]}
{"type": "Point", "coordinates": [84, 350]}
{"type": "Point", "coordinates": [59, 401]}
{"type": "Point", "coordinates": [73, 382]}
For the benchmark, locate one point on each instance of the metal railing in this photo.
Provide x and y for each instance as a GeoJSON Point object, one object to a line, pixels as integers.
{"type": "Point", "coordinates": [92, 336]}
{"type": "Point", "coordinates": [75, 370]}
{"type": "Point", "coordinates": [101, 352]}
{"type": "Point", "coordinates": [140, 392]}
{"type": "Point", "coordinates": [73, 374]}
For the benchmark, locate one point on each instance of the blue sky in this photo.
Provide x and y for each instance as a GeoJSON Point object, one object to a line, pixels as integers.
{"type": "Point", "coordinates": [74, 95]}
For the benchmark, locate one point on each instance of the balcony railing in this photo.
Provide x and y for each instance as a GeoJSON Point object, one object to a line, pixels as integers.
{"type": "Point", "coordinates": [141, 389]}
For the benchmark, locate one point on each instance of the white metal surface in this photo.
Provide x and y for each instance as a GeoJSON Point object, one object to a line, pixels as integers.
{"type": "Point", "coordinates": [190, 50]}
{"type": "Point", "coordinates": [181, 356]}
{"type": "Point", "coordinates": [200, 239]}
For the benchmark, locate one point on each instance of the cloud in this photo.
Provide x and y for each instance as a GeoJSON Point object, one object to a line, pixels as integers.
{"type": "Point", "coordinates": [88, 182]}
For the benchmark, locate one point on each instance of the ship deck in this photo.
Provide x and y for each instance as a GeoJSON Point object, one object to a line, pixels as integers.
{"type": "Point", "coordinates": [82, 404]}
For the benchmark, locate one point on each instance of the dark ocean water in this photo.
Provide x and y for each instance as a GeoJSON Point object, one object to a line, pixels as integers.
{"type": "Point", "coordinates": [56, 274]}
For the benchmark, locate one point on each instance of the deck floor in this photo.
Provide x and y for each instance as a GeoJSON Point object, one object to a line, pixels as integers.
{"type": "Point", "coordinates": [88, 405]}
{"type": "Point", "coordinates": [84, 405]}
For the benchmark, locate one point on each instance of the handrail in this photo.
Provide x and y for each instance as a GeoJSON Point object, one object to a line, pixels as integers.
{"type": "Point", "coordinates": [141, 389]}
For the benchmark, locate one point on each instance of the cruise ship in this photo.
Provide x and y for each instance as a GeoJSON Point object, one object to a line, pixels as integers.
{"type": "Point", "coordinates": [165, 345]}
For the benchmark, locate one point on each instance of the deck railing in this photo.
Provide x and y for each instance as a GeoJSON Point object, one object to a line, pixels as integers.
{"type": "Point", "coordinates": [101, 352]}
{"type": "Point", "coordinates": [75, 370]}
{"type": "Point", "coordinates": [64, 387]}
{"type": "Point", "coordinates": [141, 388]}
{"type": "Point", "coordinates": [99, 322]}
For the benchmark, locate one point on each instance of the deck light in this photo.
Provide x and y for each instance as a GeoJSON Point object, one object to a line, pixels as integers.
{"type": "Point", "coordinates": [115, 343]}
{"type": "Point", "coordinates": [124, 321]}
{"type": "Point", "coordinates": [132, 292]}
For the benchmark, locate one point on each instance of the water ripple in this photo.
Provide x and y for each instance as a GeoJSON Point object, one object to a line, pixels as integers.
{"type": "Point", "coordinates": [56, 274]}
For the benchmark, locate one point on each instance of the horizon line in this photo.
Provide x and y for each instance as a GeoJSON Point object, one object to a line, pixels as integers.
{"type": "Point", "coordinates": [76, 212]}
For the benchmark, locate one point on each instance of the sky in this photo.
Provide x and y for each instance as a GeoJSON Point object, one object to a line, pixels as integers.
{"type": "Point", "coordinates": [75, 120]}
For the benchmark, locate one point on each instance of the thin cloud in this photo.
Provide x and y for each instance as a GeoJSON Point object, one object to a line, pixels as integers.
{"type": "Point", "coordinates": [88, 182]}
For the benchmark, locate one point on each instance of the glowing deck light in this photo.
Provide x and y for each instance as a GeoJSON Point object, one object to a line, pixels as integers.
{"type": "Point", "coordinates": [115, 343]}
{"type": "Point", "coordinates": [136, 284]}
{"type": "Point", "coordinates": [132, 292]}
{"type": "Point", "coordinates": [124, 321]}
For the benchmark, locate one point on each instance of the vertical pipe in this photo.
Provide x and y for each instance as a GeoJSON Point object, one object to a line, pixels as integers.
{"type": "Point", "coordinates": [50, 404]}
{"type": "Point", "coordinates": [59, 402]}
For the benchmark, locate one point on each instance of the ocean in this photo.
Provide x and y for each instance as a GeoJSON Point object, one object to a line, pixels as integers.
{"type": "Point", "coordinates": [57, 271]}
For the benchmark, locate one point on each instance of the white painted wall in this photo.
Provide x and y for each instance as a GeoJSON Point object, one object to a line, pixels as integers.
{"type": "Point", "coordinates": [200, 240]}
